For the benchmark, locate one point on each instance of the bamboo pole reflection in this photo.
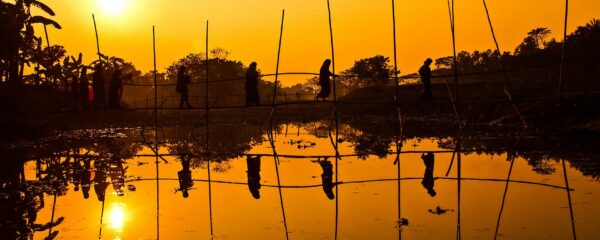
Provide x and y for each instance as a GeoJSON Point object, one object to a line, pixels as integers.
{"type": "Point", "coordinates": [458, 175]}
{"type": "Point", "coordinates": [270, 134]}
{"type": "Point", "coordinates": [569, 198]}
{"type": "Point", "coordinates": [512, 163]}
{"type": "Point", "coordinates": [511, 159]}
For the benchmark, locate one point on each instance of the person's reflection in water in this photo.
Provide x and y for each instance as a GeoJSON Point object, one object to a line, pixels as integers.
{"type": "Point", "coordinates": [327, 177]}
{"type": "Point", "coordinates": [253, 163]}
{"type": "Point", "coordinates": [85, 178]}
{"type": "Point", "coordinates": [117, 175]}
{"type": "Point", "coordinates": [185, 177]}
{"type": "Point", "coordinates": [77, 171]}
{"type": "Point", "coordinates": [100, 183]}
{"type": "Point", "coordinates": [428, 181]}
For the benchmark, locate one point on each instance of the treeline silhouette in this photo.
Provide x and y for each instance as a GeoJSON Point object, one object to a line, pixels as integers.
{"type": "Point", "coordinates": [533, 67]}
{"type": "Point", "coordinates": [535, 62]}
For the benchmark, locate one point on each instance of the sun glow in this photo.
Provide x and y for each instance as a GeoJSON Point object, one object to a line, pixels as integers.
{"type": "Point", "coordinates": [117, 217]}
{"type": "Point", "coordinates": [113, 7]}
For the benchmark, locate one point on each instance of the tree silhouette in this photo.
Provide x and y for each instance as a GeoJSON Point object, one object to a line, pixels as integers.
{"type": "Point", "coordinates": [18, 36]}
{"type": "Point", "coordinates": [368, 72]}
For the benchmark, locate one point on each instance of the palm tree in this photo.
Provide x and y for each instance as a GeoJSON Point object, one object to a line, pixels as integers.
{"type": "Point", "coordinates": [18, 34]}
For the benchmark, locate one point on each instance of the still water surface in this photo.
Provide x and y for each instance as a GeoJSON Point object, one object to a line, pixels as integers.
{"type": "Point", "coordinates": [243, 200]}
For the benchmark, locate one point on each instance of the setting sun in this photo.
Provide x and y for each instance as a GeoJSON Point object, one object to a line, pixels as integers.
{"type": "Point", "coordinates": [113, 7]}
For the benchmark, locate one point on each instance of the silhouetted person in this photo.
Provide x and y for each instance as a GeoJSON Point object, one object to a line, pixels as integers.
{"type": "Point", "coordinates": [182, 86]}
{"type": "Point", "coordinates": [425, 73]}
{"type": "Point", "coordinates": [185, 177]}
{"type": "Point", "coordinates": [84, 91]}
{"type": "Point", "coordinates": [253, 163]}
{"type": "Point", "coordinates": [100, 183]}
{"type": "Point", "coordinates": [115, 90]}
{"type": "Point", "coordinates": [327, 177]}
{"type": "Point", "coordinates": [252, 85]}
{"type": "Point", "coordinates": [75, 91]}
{"type": "Point", "coordinates": [98, 86]}
{"type": "Point", "coordinates": [324, 75]}
{"type": "Point", "coordinates": [428, 181]}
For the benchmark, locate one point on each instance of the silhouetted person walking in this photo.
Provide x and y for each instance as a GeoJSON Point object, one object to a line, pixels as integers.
{"type": "Point", "coordinates": [182, 87]}
{"type": "Point", "coordinates": [99, 87]}
{"type": "Point", "coordinates": [324, 75]}
{"type": "Point", "coordinates": [428, 181]}
{"type": "Point", "coordinates": [115, 90]}
{"type": "Point", "coordinates": [185, 177]}
{"type": "Point", "coordinates": [425, 73]}
{"type": "Point", "coordinates": [327, 177]}
{"type": "Point", "coordinates": [252, 85]}
{"type": "Point", "coordinates": [84, 91]}
{"type": "Point", "coordinates": [253, 163]}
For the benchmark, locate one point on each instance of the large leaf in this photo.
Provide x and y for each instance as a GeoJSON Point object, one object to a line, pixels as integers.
{"type": "Point", "coordinates": [45, 21]}
{"type": "Point", "coordinates": [42, 6]}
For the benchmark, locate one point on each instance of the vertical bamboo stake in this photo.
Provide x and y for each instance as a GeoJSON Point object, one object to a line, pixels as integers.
{"type": "Point", "coordinates": [395, 51]}
{"type": "Point", "coordinates": [507, 82]}
{"type": "Point", "coordinates": [332, 53]}
{"type": "Point", "coordinates": [278, 55]}
{"type": "Point", "coordinates": [455, 61]}
{"type": "Point", "coordinates": [97, 40]}
{"type": "Point", "coordinates": [562, 56]}
{"type": "Point", "coordinates": [155, 133]}
{"type": "Point", "coordinates": [398, 122]}
{"type": "Point", "coordinates": [207, 137]}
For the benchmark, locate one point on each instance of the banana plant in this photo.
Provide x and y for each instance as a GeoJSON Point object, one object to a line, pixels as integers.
{"type": "Point", "coordinates": [18, 38]}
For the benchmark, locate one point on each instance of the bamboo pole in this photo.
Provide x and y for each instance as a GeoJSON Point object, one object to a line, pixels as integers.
{"type": "Point", "coordinates": [454, 59]}
{"type": "Point", "coordinates": [207, 121]}
{"type": "Point", "coordinates": [156, 134]}
{"type": "Point", "coordinates": [397, 90]}
{"type": "Point", "coordinates": [505, 74]}
{"type": "Point", "coordinates": [52, 217]}
{"type": "Point", "coordinates": [278, 55]}
{"type": "Point", "coordinates": [97, 40]}
{"type": "Point", "coordinates": [562, 56]}
{"type": "Point", "coordinates": [335, 144]}
{"type": "Point", "coordinates": [101, 218]}
{"type": "Point", "coordinates": [398, 122]}
{"type": "Point", "coordinates": [332, 53]}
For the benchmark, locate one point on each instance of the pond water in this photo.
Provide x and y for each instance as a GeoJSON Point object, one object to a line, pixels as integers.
{"type": "Point", "coordinates": [110, 185]}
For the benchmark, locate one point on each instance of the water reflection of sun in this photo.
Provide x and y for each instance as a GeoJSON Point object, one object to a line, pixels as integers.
{"type": "Point", "coordinates": [117, 217]}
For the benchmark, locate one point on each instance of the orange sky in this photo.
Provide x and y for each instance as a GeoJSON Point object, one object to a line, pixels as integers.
{"type": "Point", "coordinates": [250, 29]}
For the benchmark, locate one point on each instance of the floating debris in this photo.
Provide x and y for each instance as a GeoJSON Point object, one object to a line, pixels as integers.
{"type": "Point", "coordinates": [402, 222]}
{"type": "Point", "coordinates": [439, 210]}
